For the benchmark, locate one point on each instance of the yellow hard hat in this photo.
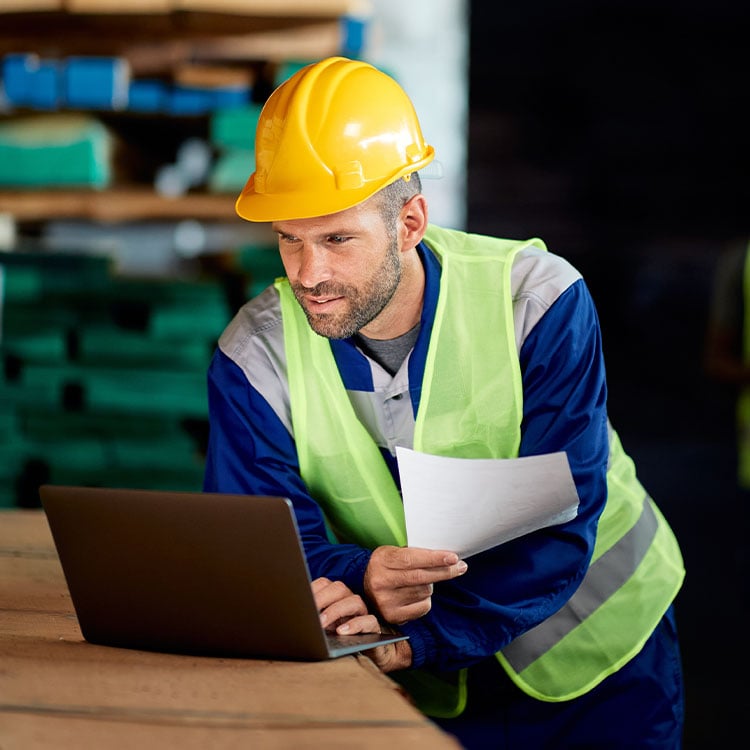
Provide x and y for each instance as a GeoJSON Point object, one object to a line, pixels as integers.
{"type": "Point", "coordinates": [328, 138]}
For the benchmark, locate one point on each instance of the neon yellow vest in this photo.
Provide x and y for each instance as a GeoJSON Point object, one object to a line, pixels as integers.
{"type": "Point", "coordinates": [743, 399]}
{"type": "Point", "coordinates": [473, 409]}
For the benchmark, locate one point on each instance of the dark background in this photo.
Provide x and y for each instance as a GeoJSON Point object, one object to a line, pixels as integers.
{"type": "Point", "coordinates": [617, 132]}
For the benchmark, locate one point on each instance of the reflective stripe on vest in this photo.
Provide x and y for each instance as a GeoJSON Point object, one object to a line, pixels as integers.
{"type": "Point", "coordinates": [604, 577]}
{"type": "Point", "coordinates": [560, 658]}
{"type": "Point", "coordinates": [635, 572]}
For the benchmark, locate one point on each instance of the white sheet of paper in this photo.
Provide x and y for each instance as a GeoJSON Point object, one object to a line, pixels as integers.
{"type": "Point", "coordinates": [469, 505]}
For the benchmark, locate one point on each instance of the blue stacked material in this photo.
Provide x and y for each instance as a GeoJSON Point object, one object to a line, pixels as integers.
{"type": "Point", "coordinates": [187, 100]}
{"type": "Point", "coordinates": [353, 32]}
{"type": "Point", "coordinates": [197, 100]}
{"type": "Point", "coordinates": [88, 82]}
{"type": "Point", "coordinates": [230, 97]}
{"type": "Point", "coordinates": [147, 95]}
{"type": "Point", "coordinates": [32, 82]}
{"type": "Point", "coordinates": [96, 83]}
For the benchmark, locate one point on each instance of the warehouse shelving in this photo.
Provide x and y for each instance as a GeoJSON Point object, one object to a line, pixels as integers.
{"type": "Point", "coordinates": [103, 374]}
{"type": "Point", "coordinates": [157, 37]}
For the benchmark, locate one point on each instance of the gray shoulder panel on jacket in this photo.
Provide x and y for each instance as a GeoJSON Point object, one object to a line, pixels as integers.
{"type": "Point", "coordinates": [254, 341]}
{"type": "Point", "coordinates": [538, 278]}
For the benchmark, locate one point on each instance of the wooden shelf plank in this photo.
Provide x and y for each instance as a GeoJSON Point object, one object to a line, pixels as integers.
{"type": "Point", "coordinates": [114, 205]}
{"type": "Point", "coordinates": [31, 6]}
{"type": "Point", "coordinates": [247, 8]}
{"type": "Point", "coordinates": [309, 8]}
{"type": "Point", "coordinates": [162, 42]}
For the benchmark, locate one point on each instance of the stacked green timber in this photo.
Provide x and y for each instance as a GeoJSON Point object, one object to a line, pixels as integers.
{"type": "Point", "coordinates": [104, 377]}
{"type": "Point", "coordinates": [232, 135]}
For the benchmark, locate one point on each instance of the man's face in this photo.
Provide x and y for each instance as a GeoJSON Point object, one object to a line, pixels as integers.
{"type": "Point", "coordinates": [343, 268]}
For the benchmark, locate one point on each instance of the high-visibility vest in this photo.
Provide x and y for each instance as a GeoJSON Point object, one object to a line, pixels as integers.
{"type": "Point", "coordinates": [471, 407]}
{"type": "Point", "coordinates": [743, 397]}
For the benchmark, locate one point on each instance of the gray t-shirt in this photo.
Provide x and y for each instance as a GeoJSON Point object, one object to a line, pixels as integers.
{"type": "Point", "coordinates": [389, 353]}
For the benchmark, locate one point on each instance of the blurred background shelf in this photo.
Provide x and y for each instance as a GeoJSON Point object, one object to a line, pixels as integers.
{"type": "Point", "coordinates": [126, 133]}
{"type": "Point", "coordinates": [114, 204]}
{"type": "Point", "coordinates": [141, 80]}
{"type": "Point", "coordinates": [154, 41]}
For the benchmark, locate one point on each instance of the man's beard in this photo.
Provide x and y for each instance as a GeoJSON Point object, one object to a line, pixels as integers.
{"type": "Point", "coordinates": [364, 304]}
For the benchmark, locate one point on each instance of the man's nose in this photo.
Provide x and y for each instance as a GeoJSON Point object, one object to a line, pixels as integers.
{"type": "Point", "coordinates": [314, 266]}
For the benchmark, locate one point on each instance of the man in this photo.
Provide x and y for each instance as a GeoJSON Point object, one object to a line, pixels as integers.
{"type": "Point", "coordinates": [389, 331]}
{"type": "Point", "coordinates": [727, 362]}
{"type": "Point", "coordinates": [727, 350]}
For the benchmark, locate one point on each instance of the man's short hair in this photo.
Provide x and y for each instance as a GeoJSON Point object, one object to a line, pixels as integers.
{"type": "Point", "coordinates": [392, 198]}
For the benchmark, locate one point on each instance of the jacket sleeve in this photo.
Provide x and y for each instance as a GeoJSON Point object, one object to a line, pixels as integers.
{"type": "Point", "coordinates": [251, 452]}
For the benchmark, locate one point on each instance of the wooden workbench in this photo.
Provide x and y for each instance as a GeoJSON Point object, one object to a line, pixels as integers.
{"type": "Point", "coordinates": [58, 691]}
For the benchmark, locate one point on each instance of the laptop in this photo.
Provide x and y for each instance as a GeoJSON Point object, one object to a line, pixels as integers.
{"type": "Point", "coordinates": [190, 572]}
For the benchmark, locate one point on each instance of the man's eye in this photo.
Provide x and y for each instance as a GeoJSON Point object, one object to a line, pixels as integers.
{"type": "Point", "coordinates": [337, 239]}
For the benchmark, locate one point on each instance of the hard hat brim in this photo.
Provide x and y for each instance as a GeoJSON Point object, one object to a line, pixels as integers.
{"type": "Point", "coordinates": [252, 205]}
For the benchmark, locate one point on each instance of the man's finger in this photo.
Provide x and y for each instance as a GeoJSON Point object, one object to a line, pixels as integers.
{"type": "Point", "coordinates": [359, 624]}
{"type": "Point", "coordinates": [408, 566]}
{"type": "Point", "coordinates": [319, 584]}
{"type": "Point", "coordinates": [417, 557]}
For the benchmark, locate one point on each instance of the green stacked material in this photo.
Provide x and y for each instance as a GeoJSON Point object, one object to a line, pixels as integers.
{"type": "Point", "coordinates": [141, 390]}
{"type": "Point", "coordinates": [175, 309]}
{"type": "Point", "coordinates": [20, 284]}
{"type": "Point", "coordinates": [12, 457]}
{"type": "Point", "coordinates": [80, 455]}
{"type": "Point", "coordinates": [23, 395]}
{"type": "Point", "coordinates": [9, 421]}
{"type": "Point", "coordinates": [57, 424]}
{"type": "Point", "coordinates": [178, 477]}
{"type": "Point", "coordinates": [190, 311]}
{"type": "Point", "coordinates": [104, 378]}
{"type": "Point", "coordinates": [110, 448]}
{"type": "Point", "coordinates": [235, 128]}
{"type": "Point", "coordinates": [153, 453]}
{"type": "Point", "coordinates": [287, 69]}
{"type": "Point", "coordinates": [55, 150]}
{"type": "Point", "coordinates": [262, 265]}
{"type": "Point", "coordinates": [35, 277]}
{"type": "Point", "coordinates": [47, 342]}
{"type": "Point", "coordinates": [230, 171]}
{"type": "Point", "coordinates": [106, 343]}
{"type": "Point", "coordinates": [232, 134]}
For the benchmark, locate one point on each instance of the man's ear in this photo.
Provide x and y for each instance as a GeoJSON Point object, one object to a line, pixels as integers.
{"type": "Point", "coordinates": [413, 221]}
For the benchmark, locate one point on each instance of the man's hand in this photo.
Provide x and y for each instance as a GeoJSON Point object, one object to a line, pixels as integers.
{"type": "Point", "coordinates": [339, 608]}
{"type": "Point", "coordinates": [399, 580]}
{"type": "Point", "coordinates": [345, 613]}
